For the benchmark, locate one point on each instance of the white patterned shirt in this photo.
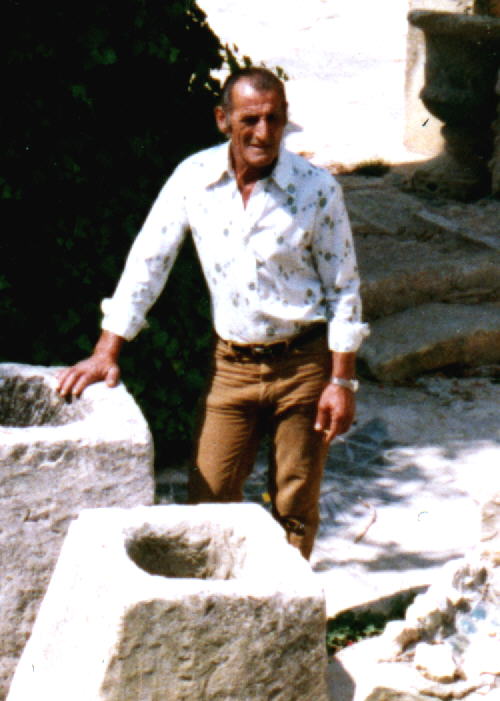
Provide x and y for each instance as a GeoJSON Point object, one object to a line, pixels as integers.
{"type": "Point", "coordinates": [272, 267]}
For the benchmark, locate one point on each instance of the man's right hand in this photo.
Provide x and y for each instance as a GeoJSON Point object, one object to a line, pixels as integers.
{"type": "Point", "coordinates": [101, 366]}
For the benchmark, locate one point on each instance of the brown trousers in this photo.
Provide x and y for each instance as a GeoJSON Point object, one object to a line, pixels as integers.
{"type": "Point", "coordinates": [247, 399]}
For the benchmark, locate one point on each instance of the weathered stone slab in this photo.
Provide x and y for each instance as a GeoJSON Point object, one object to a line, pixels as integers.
{"type": "Point", "coordinates": [397, 274]}
{"type": "Point", "coordinates": [177, 602]}
{"type": "Point", "coordinates": [57, 458]}
{"type": "Point", "coordinates": [411, 252]}
{"type": "Point", "coordinates": [432, 336]}
{"type": "Point", "coordinates": [388, 212]}
{"type": "Point", "coordinates": [379, 207]}
{"type": "Point", "coordinates": [467, 224]}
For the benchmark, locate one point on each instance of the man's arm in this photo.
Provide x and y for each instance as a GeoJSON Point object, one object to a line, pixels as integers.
{"type": "Point", "coordinates": [336, 406]}
{"type": "Point", "coordinates": [148, 264]}
{"type": "Point", "coordinates": [102, 365]}
{"type": "Point", "coordinates": [337, 268]}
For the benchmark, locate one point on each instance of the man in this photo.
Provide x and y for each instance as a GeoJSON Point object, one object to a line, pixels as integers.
{"type": "Point", "coordinates": [275, 245]}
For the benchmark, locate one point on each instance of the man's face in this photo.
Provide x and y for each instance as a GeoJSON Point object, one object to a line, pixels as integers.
{"type": "Point", "coordinates": [255, 125]}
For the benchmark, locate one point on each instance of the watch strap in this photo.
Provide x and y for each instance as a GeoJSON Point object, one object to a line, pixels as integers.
{"type": "Point", "coordinates": [353, 384]}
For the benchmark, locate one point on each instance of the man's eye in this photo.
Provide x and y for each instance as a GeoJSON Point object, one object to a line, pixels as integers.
{"type": "Point", "coordinates": [250, 121]}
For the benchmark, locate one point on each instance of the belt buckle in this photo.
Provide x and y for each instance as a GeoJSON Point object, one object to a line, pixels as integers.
{"type": "Point", "coordinates": [262, 350]}
{"type": "Point", "coordinates": [272, 350]}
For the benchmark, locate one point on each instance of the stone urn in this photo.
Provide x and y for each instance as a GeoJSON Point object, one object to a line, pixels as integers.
{"type": "Point", "coordinates": [462, 63]}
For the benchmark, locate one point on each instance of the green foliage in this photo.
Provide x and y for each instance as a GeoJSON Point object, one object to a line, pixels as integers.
{"type": "Point", "coordinates": [352, 626]}
{"type": "Point", "coordinates": [234, 63]}
{"type": "Point", "coordinates": [100, 102]}
{"type": "Point", "coordinates": [348, 629]}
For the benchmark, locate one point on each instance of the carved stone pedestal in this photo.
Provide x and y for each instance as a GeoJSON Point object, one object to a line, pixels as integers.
{"type": "Point", "coordinates": [463, 58]}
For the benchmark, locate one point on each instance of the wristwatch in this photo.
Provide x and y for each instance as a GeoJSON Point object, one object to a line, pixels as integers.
{"type": "Point", "coordinates": [353, 385]}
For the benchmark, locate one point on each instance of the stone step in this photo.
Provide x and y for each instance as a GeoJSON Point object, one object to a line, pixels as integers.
{"type": "Point", "coordinates": [398, 274]}
{"type": "Point", "coordinates": [413, 251]}
{"type": "Point", "coordinates": [466, 223]}
{"type": "Point", "coordinates": [432, 336]}
{"type": "Point", "coordinates": [375, 208]}
{"type": "Point", "coordinates": [378, 206]}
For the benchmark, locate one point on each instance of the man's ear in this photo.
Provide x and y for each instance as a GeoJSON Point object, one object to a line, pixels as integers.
{"type": "Point", "coordinates": [222, 120]}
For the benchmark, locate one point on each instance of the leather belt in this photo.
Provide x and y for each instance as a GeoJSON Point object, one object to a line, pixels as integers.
{"type": "Point", "coordinates": [261, 351]}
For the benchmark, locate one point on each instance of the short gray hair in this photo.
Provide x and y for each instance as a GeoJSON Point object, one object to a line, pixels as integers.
{"type": "Point", "coordinates": [262, 79]}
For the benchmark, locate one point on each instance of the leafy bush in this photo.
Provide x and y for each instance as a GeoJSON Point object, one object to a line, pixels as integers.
{"type": "Point", "coordinates": [353, 625]}
{"type": "Point", "coordinates": [100, 102]}
{"type": "Point", "coordinates": [347, 629]}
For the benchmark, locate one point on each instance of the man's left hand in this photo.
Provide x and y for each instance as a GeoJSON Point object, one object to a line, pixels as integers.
{"type": "Point", "coordinates": [335, 414]}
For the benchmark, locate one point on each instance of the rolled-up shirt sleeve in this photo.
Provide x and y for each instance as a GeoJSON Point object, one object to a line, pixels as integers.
{"type": "Point", "coordinates": [337, 268]}
{"type": "Point", "coordinates": [149, 263]}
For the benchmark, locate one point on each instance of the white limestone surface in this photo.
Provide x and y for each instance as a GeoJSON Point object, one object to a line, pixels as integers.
{"type": "Point", "coordinates": [177, 602]}
{"type": "Point", "coordinates": [56, 458]}
{"type": "Point", "coordinates": [345, 62]}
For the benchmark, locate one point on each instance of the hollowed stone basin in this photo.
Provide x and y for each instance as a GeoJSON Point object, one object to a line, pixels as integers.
{"type": "Point", "coordinates": [56, 458]}
{"type": "Point", "coordinates": [177, 602]}
{"type": "Point", "coordinates": [29, 400]}
{"type": "Point", "coordinates": [174, 556]}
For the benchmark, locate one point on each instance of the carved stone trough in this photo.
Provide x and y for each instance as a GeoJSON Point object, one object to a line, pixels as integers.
{"type": "Point", "coordinates": [55, 459]}
{"type": "Point", "coordinates": [177, 602]}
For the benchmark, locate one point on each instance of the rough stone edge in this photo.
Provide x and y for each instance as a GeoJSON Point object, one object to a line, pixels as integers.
{"type": "Point", "coordinates": [266, 543]}
{"type": "Point", "coordinates": [117, 399]}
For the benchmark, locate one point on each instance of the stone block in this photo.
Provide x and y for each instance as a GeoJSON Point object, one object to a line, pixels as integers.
{"type": "Point", "coordinates": [387, 214]}
{"type": "Point", "coordinates": [432, 336]}
{"type": "Point", "coordinates": [397, 275]}
{"type": "Point", "coordinates": [56, 458]}
{"type": "Point", "coordinates": [177, 602]}
{"type": "Point", "coordinates": [478, 226]}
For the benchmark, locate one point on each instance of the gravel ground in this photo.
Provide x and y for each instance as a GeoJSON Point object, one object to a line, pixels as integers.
{"type": "Point", "coordinates": [401, 490]}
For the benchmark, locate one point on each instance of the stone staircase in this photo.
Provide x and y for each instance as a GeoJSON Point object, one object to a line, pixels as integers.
{"type": "Point", "coordinates": [430, 272]}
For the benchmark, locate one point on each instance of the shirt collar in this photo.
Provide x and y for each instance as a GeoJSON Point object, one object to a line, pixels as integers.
{"type": "Point", "coordinates": [283, 168]}
{"type": "Point", "coordinates": [220, 167]}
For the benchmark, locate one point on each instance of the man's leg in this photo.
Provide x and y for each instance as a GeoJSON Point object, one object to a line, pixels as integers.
{"type": "Point", "coordinates": [229, 431]}
{"type": "Point", "coordinates": [299, 452]}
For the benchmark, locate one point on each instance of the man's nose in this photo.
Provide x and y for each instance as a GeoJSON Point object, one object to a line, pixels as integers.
{"type": "Point", "coordinates": [262, 130]}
